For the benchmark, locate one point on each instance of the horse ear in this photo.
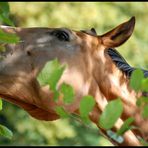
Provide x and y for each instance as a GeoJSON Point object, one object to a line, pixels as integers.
{"type": "Point", "coordinates": [93, 30]}
{"type": "Point", "coordinates": [118, 35]}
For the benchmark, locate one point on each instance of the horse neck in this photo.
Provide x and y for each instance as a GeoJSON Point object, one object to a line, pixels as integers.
{"type": "Point", "coordinates": [111, 80]}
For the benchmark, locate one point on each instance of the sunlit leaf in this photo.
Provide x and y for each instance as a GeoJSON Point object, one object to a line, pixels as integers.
{"type": "Point", "coordinates": [56, 95]}
{"type": "Point", "coordinates": [145, 111]}
{"type": "Point", "coordinates": [144, 85]}
{"type": "Point", "coordinates": [142, 100]}
{"type": "Point", "coordinates": [111, 113]}
{"type": "Point", "coordinates": [85, 119]}
{"type": "Point", "coordinates": [4, 131]}
{"type": "Point", "coordinates": [86, 105]}
{"type": "Point", "coordinates": [68, 93]}
{"type": "Point", "coordinates": [6, 20]}
{"type": "Point", "coordinates": [51, 73]}
{"type": "Point", "coordinates": [136, 79]}
{"type": "Point", "coordinates": [8, 38]}
{"type": "Point", "coordinates": [126, 126]}
{"type": "Point", "coordinates": [61, 112]}
{"type": "Point", "coordinates": [4, 8]}
{"type": "Point", "coordinates": [4, 13]}
{"type": "Point", "coordinates": [1, 104]}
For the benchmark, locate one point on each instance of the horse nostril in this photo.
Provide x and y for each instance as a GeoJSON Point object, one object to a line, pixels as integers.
{"type": "Point", "coordinates": [28, 53]}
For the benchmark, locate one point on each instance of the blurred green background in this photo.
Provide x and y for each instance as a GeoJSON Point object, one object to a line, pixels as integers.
{"type": "Point", "coordinates": [75, 15]}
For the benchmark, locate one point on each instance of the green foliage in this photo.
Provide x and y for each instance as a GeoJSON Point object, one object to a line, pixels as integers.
{"type": "Point", "coordinates": [4, 131]}
{"type": "Point", "coordinates": [1, 104]}
{"type": "Point", "coordinates": [51, 74]}
{"type": "Point", "coordinates": [8, 38]}
{"type": "Point", "coordinates": [144, 85]}
{"type": "Point", "coordinates": [145, 111]}
{"type": "Point", "coordinates": [4, 9]}
{"type": "Point", "coordinates": [61, 112]}
{"type": "Point", "coordinates": [86, 105]}
{"type": "Point", "coordinates": [4, 18]}
{"type": "Point", "coordinates": [142, 101]}
{"type": "Point", "coordinates": [126, 126]}
{"type": "Point", "coordinates": [5, 38]}
{"type": "Point", "coordinates": [4, 13]}
{"type": "Point", "coordinates": [111, 113]}
{"type": "Point", "coordinates": [136, 79]}
{"type": "Point", "coordinates": [139, 83]}
{"type": "Point", "coordinates": [67, 92]}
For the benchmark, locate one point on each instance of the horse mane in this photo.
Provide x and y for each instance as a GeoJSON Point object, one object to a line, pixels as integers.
{"type": "Point", "coordinates": [122, 64]}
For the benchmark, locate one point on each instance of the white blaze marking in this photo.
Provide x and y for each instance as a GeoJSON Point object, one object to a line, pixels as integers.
{"type": "Point", "coordinates": [44, 39]}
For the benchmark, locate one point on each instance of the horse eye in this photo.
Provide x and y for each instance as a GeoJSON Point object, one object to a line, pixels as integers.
{"type": "Point", "coordinates": [61, 35]}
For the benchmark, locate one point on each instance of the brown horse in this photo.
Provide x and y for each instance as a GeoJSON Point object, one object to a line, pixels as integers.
{"type": "Point", "coordinates": [90, 70]}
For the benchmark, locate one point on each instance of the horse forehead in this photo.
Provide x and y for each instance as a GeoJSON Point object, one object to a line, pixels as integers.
{"type": "Point", "coordinates": [87, 38]}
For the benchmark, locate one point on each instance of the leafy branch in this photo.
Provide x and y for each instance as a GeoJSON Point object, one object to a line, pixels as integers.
{"type": "Point", "coordinates": [52, 72]}
{"type": "Point", "coordinates": [4, 39]}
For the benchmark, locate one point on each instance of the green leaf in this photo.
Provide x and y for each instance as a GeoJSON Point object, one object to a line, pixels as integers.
{"type": "Point", "coordinates": [61, 112]}
{"type": "Point", "coordinates": [111, 113]}
{"type": "Point", "coordinates": [144, 85]}
{"type": "Point", "coordinates": [68, 93]}
{"type": "Point", "coordinates": [51, 73]}
{"type": "Point", "coordinates": [8, 38]}
{"type": "Point", "coordinates": [126, 126]}
{"type": "Point", "coordinates": [86, 105]}
{"type": "Point", "coordinates": [136, 79]}
{"type": "Point", "coordinates": [145, 111]}
{"type": "Point", "coordinates": [6, 20]}
{"type": "Point", "coordinates": [4, 131]}
{"type": "Point", "coordinates": [114, 136]}
{"type": "Point", "coordinates": [4, 8]}
{"type": "Point", "coordinates": [56, 95]}
{"type": "Point", "coordinates": [4, 13]}
{"type": "Point", "coordinates": [86, 119]}
{"type": "Point", "coordinates": [1, 104]}
{"type": "Point", "coordinates": [142, 100]}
